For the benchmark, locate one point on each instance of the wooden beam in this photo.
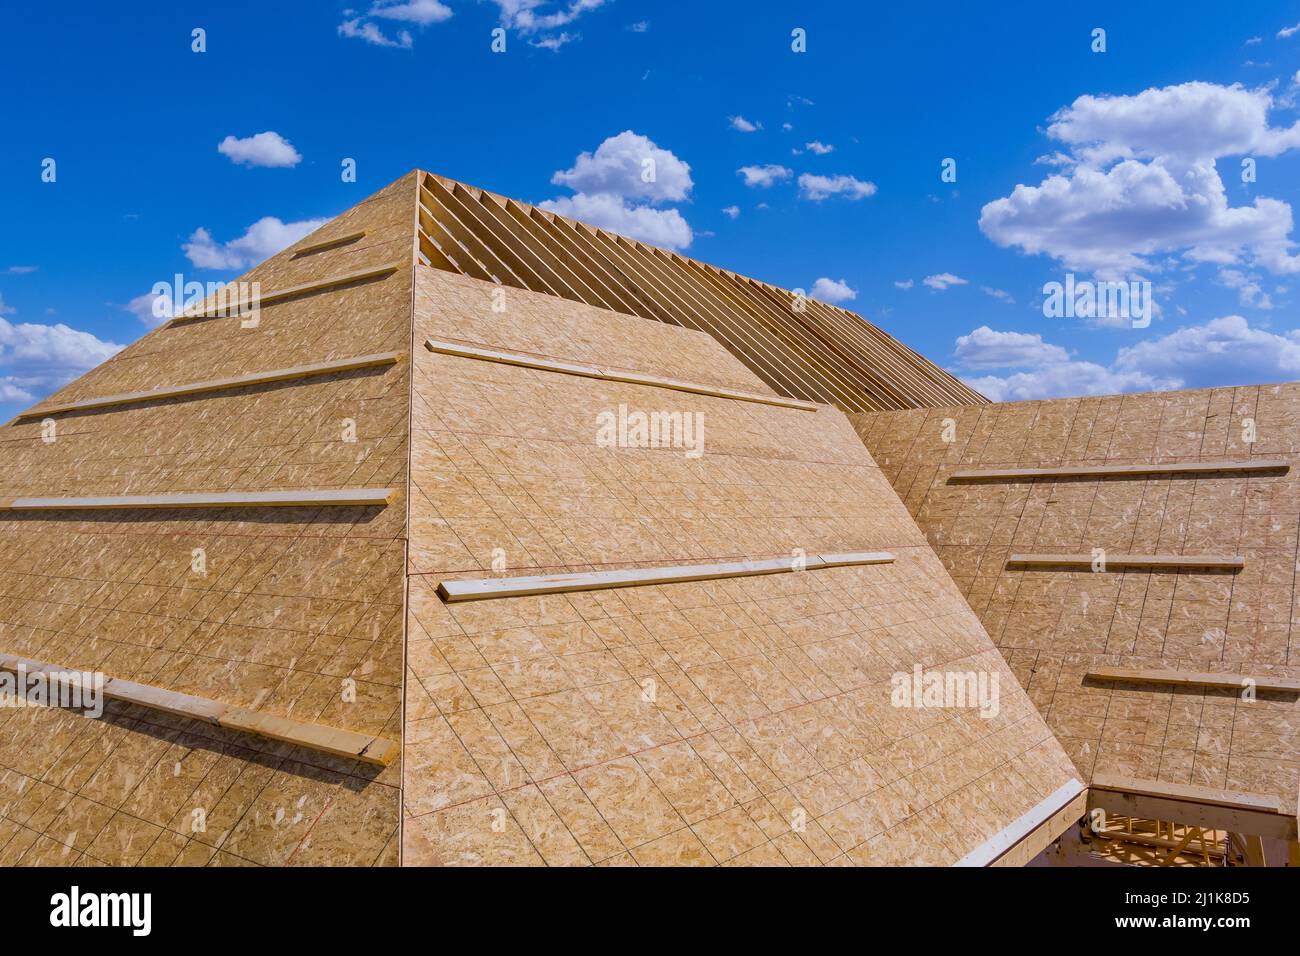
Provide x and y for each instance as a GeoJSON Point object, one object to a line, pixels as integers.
{"type": "Point", "coordinates": [1115, 561]}
{"type": "Point", "coordinates": [329, 244]}
{"type": "Point", "coordinates": [330, 740]}
{"type": "Point", "coordinates": [1131, 471]}
{"type": "Point", "coordinates": [1051, 815]}
{"type": "Point", "coordinates": [852, 558]}
{"type": "Point", "coordinates": [1206, 807]}
{"type": "Point", "coordinates": [332, 497]}
{"type": "Point", "coordinates": [1194, 679]}
{"type": "Point", "coordinates": [591, 371]}
{"type": "Point", "coordinates": [220, 384]}
{"type": "Point", "coordinates": [226, 310]}
{"type": "Point", "coordinates": [476, 589]}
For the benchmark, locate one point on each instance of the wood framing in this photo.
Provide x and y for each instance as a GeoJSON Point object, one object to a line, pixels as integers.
{"type": "Point", "coordinates": [1115, 562]}
{"type": "Point", "coordinates": [330, 740]}
{"type": "Point", "coordinates": [611, 375]}
{"type": "Point", "coordinates": [333, 497]}
{"type": "Point", "coordinates": [239, 307]}
{"type": "Point", "coordinates": [219, 384]}
{"type": "Point", "coordinates": [1206, 807]}
{"type": "Point", "coordinates": [1139, 675]}
{"type": "Point", "coordinates": [475, 589]}
{"type": "Point", "coordinates": [326, 244]}
{"type": "Point", "coordinates": [1120, 471]}
{"type": "Point", "coordinates": [1026, 837]}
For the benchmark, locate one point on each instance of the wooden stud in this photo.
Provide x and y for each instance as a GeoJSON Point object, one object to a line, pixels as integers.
{"type": "Point", "coordinates": [1194, 679]}
{"type": "Point", "coordinates": [325, 244]}
{"type": "Point", "coordinates": [334, 497]}
{"type": "Point", "coordinates": [307, 288]}
{"type": "Point", "coordinates": [1067, 795]}
{"type": "Point", "coordinates": [330, 740]}
{"type": "Point", "coordinates": [1113, 562]}
{"type": "Point", "coordinates": [220, 384]}
{"type": "Point", "coordinates": [1131, 471]}
{"type": "Point", "coordinates": [1206, 807]}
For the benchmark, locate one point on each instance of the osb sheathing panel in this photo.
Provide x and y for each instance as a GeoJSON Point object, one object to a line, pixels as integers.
{"type": "Point", "coordinates": [294, 607]}
{"type": "Point", "coordinates": [1053, 625]}
{"type": "Point", "coordinates": [530, 736]}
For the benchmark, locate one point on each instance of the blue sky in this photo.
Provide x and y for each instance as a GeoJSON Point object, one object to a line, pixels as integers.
{"type": "Point", "coordinates": [1116, 165]}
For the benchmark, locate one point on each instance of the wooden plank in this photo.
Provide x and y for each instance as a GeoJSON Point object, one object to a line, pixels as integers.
{"type": "Point", "coordinates": [613, 375]}
{"type": "Point", "coordinates": [1206, 807]}
{"type": "Point", "coordinates": [319, 285]}
{"type": "Point", "coordinates": [221, 384]}
{"type": "Point", "coordinates": [307, 498]}
{"type": "Point", "coordinates": [1140, 675]}
{"type": "Point", "coordinates": [475, 589]}
{"type": "Point", "coordinates": [856, 557]}
{"type": "Point", "coordinates": [331, 740]}
{"type": "Point", "coordinates": [1002, 842]}
{"type": "Point", "coordinates": [328, 244]}
{"type": "Point", "coordinates": [1089, 471]}
{"type": "Point", "coordinates": [1114, 561]}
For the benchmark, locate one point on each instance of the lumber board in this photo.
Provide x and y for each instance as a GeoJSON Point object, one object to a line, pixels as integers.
{"type": "Point", "coordinates": [504, 357]}
{"type": "Point", "coordinates": [333, 497]}
{"type": "Point", "coordinates": [326, 244]}
{"type": "Point", "coordinates": [1142, 675]}
{"type": "Point", "coordinates": [1207, 807]}
{"type": "Point", "coordinates": [1114, 561]}
{"type": "Point", "coordinates": [331, 740]}
{"type": "Point", "coordinates": [1063, 800]}
{"type": "Point", "coordinates": [225, 310]}
{"type": "Point", "coordinates": [1102, 471]}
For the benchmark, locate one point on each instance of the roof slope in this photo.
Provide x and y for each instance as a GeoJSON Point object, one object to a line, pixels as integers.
{"type": "Point", "coordinates": [1055, 624]}
{"type": "Point", "coordinates": [745, 720]}
{"type": "Point", "coordinates": [800, 347]}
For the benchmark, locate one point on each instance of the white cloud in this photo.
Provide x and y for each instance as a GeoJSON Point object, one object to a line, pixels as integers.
{"type": "Point", "coordinates": [833, 290]}
{"type": "Point", "coordinates": [1141, 182]}
{"type": "Point", "coordinates": [903, 283]}
{"type": "Point", "coordinates": [641, 26]}
{"type": "Point", "coordinates": [528, 16]}
{"type": "Point", "coordinates": [744, 125]}
{"type": "Point", "coordinates": [1288, 31]}
{"type": "Point", "coordinates": [553, 41]}
{"type": "Point", "coordinates": [20, 270]}
{"type": "Point", "coordinates": [818, 188]}
{"type": "Point", "coordinates": [985, 348]}
{"type": "Point", "coordinates": [152, 310]}
{"type": "Point", "coordinates": [359, 29]}
{"type": "Point", "coordinates": [619, 167]}
{"type": "Point", "coordinates": [6, 309]}
{"type": "Point", "coordinates": [1222, 351]}
{"type": "Point", "coordinates": [818, 147]}
{"type": "Point", "coordinates": [36, 359]}
{"type": "Point", "coordinates": [263, 149]}
{"type": "Point", "coordinates": [1249, 292]}
{"type": "Point", "coordinates": [761, 177]}
{"type": "Point", "coordinates": [422, 12]}
{"type": "Point", "coordinates": [1000, 294]}
{"type": "Point", "coordinates": [612, 191]}
{"type": "Point", "coordinates": [731, 211]}
{"type": "Point", "coordinates": [660, 227]}
{"type": "Point", "coordinates": [262, 239]}
{"type": "Point", "coordinates": [942, 281]}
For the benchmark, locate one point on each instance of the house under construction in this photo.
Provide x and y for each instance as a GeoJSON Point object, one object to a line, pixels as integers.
{"type": "Point", "coordinates": [489, 537]}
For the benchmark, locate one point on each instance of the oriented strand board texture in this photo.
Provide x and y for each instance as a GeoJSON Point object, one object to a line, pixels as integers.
{"type": "Point", "coordinates": [1052, 625]}
{"type": "Point", "coordinates": [294, 604]}
{"type": "Point", "coordinates": [799, 346]}
{"type": "Point", "coordinates": [745, 721]}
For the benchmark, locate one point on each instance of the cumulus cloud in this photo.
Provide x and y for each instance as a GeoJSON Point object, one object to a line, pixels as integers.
{"type": "Point", "coordinates": [731, 212]}
{"type": "Point", "coordinates": [553, 41]}
{"type": "Point", "coordinates": [744, 126]}
{"type": "Point", "coordinates": [817, 188]}
{"type": "Point", "coordinates": [1140, 182]}
{"type": "Point", "coordinates": [1288, 31]}
{"type": "Point", "coordinates": [422, 13]}
{"type": "Point", "coordinates": [903, 283]}
{"type": "Point", "coordinates": [1222, 351]}
{"type": "Point", "coordinates": [152, 310]}
{"type": "Point", "coordinates": [833, 290]}
{"type": "Point", "coordinates": [36, 359]}
{"type": "Point", "coordinates": [1002, 295]}
{"type": "Point", "coordinates": [942, 281]}
{"type": "Point", "coordinates": [619, 186]}
{"type": "Point", "coordinates": [263, 149]}
{"type": "Point", "coordinates": [536, 16]}
{"type": "Point", "coordinates": [818, 147]}
{"type": "Point", "coordinates": [761, 177]}
{"type": "Point", "coordinates": [262, 239]}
